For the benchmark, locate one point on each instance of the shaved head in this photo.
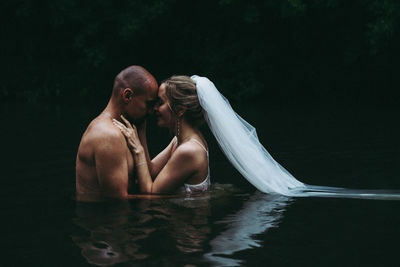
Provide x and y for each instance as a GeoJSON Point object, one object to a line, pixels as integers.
{"type": "Point", "coordinates": [135, 77]}
{"type": "Point", "coordinates": [134, 93]}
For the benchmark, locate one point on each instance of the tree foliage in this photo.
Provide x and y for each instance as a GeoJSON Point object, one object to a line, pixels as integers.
{"type": "Point", "coordinates": [292, 50]}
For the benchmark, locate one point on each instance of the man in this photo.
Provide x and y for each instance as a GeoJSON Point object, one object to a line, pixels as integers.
{"type": "Point", "coordinates": [104, 164]}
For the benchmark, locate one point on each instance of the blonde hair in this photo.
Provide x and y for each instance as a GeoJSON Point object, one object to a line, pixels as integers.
{"type": "Point", "coordinates": [182, 93]}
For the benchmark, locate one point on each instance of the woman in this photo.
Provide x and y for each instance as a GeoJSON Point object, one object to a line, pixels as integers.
{"type": "Point", "coordinates": [183, 165]}
{"type": "Point", "coordinates": [184, 101]}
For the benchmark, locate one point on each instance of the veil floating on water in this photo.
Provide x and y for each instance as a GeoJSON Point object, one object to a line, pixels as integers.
{"type": "Point", "coordinates": [239, 142]}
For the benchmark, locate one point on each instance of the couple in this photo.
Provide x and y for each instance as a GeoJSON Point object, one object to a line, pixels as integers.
{"type": "Point", "coordinates": [113, 155]}
{"type": "Point", "coordinates": [113, 149]}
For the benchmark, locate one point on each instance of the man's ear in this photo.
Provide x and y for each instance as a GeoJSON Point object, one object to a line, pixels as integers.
{"type": "Point", "coordinates": [127, 94]}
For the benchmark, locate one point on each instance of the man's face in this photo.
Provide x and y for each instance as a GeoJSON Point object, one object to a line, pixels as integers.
{"type": "Point", "coordinates": [142, 105]}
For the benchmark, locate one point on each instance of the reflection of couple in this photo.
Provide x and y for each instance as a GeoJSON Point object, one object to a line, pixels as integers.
{"type": "Point", "coordinates": [130, 231]}
{"type": "Point", "coordinates": [117, 232]}
{"type": "Point", "coordinates": [105, 165]}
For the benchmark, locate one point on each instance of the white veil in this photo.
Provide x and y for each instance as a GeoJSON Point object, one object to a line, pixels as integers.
{"type": "Point", "coordinates": [239, 142]}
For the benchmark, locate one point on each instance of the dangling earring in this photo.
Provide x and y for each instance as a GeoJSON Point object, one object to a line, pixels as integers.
{"type": "Point", "coordinates": [178, 121]}
{"type": "Point", "coordinates": [178, 126]}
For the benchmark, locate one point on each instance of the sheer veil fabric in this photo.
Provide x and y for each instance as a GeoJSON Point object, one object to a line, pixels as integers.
{"type": "Point", "coordinates": [239, 142]}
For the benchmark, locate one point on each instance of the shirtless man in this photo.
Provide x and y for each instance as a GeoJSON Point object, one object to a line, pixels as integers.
{"type": "Point", "coordinates": [104, 164]}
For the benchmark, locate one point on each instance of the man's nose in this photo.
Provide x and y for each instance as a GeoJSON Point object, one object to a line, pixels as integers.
{"type": "Point", "coordinates": [155, 108]}
{"type": "Point", "coordinates": [150, 111]}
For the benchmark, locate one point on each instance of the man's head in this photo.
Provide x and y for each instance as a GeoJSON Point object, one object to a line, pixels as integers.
{"type": "Point", "coordinates": [135, 92]}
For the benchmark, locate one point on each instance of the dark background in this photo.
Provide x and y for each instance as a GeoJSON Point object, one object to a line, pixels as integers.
{"type": "Point", "coordinates": [290, 53]}
{"type": "Point", "coordinates": [318, 79]}
{"type": "Point", "coordinates": [311, 76]}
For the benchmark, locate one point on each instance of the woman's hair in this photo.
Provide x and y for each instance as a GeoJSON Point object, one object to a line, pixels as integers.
{"type": "Point", "coordinates": [182, 92]}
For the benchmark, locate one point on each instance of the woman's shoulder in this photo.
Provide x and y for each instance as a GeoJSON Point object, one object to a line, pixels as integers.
{"type": "Point", "coordinates": [189, 151]}
{"type": "Point", "coordinates": [187, 148]}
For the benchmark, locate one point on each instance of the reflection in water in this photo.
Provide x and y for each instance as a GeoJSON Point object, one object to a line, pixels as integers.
{"type": "Point", "coordinates": [259, 213]}
{"type": "Point", "coordinates": [137, 229]}
{"type": "Point", "coordinates": [175, 231]}
{"type": "Point", "coordinates": [111, 236]}
{"type": "Point", "coordinates": [190, 226]}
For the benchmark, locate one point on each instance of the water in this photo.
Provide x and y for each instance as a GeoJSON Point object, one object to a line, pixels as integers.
{"type": "Point", "coordinates": [183, 230]}
{"type": "Point", "coordinates": [234, 225]}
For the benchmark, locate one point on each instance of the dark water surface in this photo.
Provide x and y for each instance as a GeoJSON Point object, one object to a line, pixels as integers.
{"type": "Point", "coordinates": [234, 224]}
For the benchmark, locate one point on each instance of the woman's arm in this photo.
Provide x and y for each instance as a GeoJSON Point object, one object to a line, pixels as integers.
{"type": "Point", "coordinates": [162, 158]}
{"type": "Point", "coordinates": [181, 165]}
{"type": "Point", "coordinates": [157, 163]}
{"type": "Point", "coordinates": [143, 139]}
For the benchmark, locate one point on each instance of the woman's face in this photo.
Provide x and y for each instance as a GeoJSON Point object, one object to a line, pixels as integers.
{"type": "Point", "coordinates": [163, 110]}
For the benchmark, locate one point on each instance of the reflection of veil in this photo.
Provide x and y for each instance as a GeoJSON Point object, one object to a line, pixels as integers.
{"type": "Point", "coordinates": [239, 142]}
{"type": "Point", "coordinates": [259, 213]}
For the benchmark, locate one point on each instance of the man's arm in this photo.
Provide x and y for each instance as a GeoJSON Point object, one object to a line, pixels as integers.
{"type": "Point", "coordinates": [111, 164]}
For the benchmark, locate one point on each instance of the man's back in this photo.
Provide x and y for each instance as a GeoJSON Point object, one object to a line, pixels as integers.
{"type": "Point", "coordinates": [104, 163]}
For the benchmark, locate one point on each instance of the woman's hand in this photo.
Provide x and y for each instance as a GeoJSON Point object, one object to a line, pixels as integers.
{"type": "Point", "coordinates": [131, 135]}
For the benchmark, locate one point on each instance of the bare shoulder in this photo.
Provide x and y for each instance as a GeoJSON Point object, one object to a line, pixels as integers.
{"type": "Point", "coordinates": [104, 133]}
{"type": "Point", "coordinates": [189, 152]}
{"type": "Point", "coordinates": [101, 133]}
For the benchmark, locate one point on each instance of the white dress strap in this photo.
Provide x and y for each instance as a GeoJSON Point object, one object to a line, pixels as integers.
{"type": "Point", "coordinates": [198, 142]}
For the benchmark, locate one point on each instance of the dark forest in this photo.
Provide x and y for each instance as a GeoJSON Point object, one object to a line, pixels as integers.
{"type": "Point", "coordinates": [293, 52]}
